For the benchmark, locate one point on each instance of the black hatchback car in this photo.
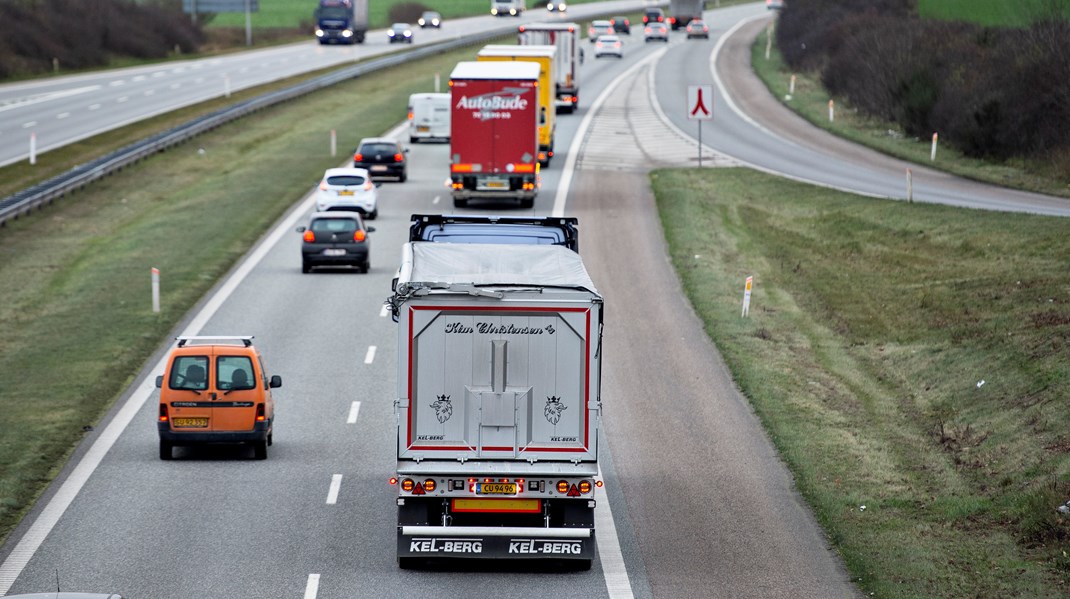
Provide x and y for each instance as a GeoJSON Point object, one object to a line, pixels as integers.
{"type": "Point", "coordinates": [335, 239]}
{"type": "Point", "coordinates": [382, 156]}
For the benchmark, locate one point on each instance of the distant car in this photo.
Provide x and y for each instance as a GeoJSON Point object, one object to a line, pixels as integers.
{"type": "Point", "coordinates": [608, 45]}
{"type": "Point", "coordinates": [335, 239]}
{"type": "Point", "coordinates": [382, 156]}
{"type": "Point", "coordinates": [430, 18]}
{"type": "Point", "coordinates": [556, 6]}
{"type": "Point", "coordinates": [348, 189]}
{"type": "Point", "coordinates": [774, 4]}
{"type": "Point", "coordinates": [400, 32]}
{"type": "Point", "coordinates": [697, 28]}
{"type": "Point", "coordinates": [621, 25]}
{"type": "Point", "coordinates": [656, 32]}
{"type": "Point", "coordinates": [653, 15]}
{"type": "Point", "coordinates": [598, 28]}
{"type": "Point", "coordinates": [215, 390]}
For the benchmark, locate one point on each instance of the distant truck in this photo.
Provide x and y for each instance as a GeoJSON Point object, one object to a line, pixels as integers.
{"type": "Point", "coordinates": [429, 117]}
{"type": "Point", "coordinates": [498, 402]}
{"type": "Point", "coordinates": [341, 21]}
{"type": "Point", "coordinates": [569, 57]}
{"type": "Point", "coordinates": [546, 58]}
{"type": "Point", "coordinates": [512, 8]}
{"type": "Point", "coordinates": [494, 138]}
{"type": "Point", "coordinates": [681, 12]}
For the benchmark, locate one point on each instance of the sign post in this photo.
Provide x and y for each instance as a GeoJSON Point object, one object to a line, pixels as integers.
{"type": "Point", "coordinates": [700, 108]}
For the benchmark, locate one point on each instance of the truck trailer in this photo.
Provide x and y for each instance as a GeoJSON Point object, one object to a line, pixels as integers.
{"type": "Point", "coordinates": [545, 57]}
{"type": "Point", "coordinates": [681, 12]}
{"type": "Point", "coordinates": [341, 21]}
{"type": "Point", "coordinates": [498, 402]}
{"type": "Point", "coordinates": [494, 132]}
{"type": "Point", "coordinates": [569, 57]}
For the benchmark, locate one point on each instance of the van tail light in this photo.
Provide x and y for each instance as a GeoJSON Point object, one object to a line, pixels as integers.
{"type": "Point", "coordinates": [323, 185]}
{"type": "Point", "coordinates": [164, 416]}
{"type": "Point", "coordinates": [309, 236]}
{"type": "Point", "coordinates": [260, 412]}
{"type": "Point", "coordinates": [358, 157]}
{"type": "Point", "coordinates": [368, 186]}
{"type": "Point", "coordinates": [410, 115]}
{"type": "Point", "coordinates": [398, 157]}
{"type": "Point", "coordinates": [358, 235]}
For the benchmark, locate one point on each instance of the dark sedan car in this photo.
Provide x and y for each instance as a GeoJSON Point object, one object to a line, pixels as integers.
{"type": "Point", "coordinates": [382, 156]}
{"type": "Point", "coordinates": [621, 25]}
{"type": "Point", "coordinates": [335, 239]}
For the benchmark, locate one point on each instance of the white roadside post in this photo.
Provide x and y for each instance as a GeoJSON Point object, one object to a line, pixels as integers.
{"type": "Point", "coordinates": [832, 112]}
{"type": "Point", "coordinates": [910, 186]}
{"type": "Point", "coordinates": [932, 155]}
{"type": "Point", "coordinates": [33, 148]}
{"type": "Point", "coordinates": [697, 109]}
{"type": "Point", "coordinates": [334, 142]}
{"type": "Point", "coordinates": [791, 86]}
{"type": "Point", "coordinates": [155, 290]}
{"type": "Point", "coordinates": [437, 82]}
{"type": "Point", "coordinates": [746, 296]}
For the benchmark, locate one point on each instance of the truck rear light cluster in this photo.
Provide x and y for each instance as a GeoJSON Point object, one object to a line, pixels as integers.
{"type": "Point", "coordinates": [528, 186]}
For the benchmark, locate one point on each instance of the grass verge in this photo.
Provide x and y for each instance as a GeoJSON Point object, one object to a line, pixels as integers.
{"type": "Point", "coordinates": [810, 101]}
{"type": "Point", "coordinates": [909, 362]}
{"type": "Point", "coordinates": [75, 306]}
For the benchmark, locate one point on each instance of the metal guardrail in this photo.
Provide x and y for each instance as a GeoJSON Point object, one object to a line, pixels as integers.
{"type": "Point", "coordinates": [44, 193]}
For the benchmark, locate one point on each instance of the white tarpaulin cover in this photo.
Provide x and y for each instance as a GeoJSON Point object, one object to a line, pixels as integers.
{"type": "Point", "coordinates": [493, 264]}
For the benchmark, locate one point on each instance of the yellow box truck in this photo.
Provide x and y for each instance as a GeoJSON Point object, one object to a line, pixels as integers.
{"type": "Point", "coordinates": [544, 56]}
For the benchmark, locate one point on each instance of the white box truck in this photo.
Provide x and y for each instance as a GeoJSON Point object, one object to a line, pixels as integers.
{"type": "Point", "coordinates": [498, 402]}
{"type": "Point", "coordinates": [682, 12]}
{"type": "Point", "coordinates": [429, 117]}
{"type": "Point", "coordinates": [569, 57]}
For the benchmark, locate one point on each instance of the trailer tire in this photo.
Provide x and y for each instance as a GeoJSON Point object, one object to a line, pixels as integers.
{"type": "Point", "coordinates": [527, 203]}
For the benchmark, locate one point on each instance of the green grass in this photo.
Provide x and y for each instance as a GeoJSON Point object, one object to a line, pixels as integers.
{"type": "Point", "coordinates": [1012, 13]}
{"type": "Point", "coordinates": [810, 101]}
{"type": "Point", "coordinates": [75, 306]}
{"type": "Point", "coordinates": [292, 13]}
{"type": "Point", "coordinates": [871, 326]}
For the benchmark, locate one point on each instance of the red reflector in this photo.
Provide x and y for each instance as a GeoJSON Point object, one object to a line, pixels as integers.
{"type": "Point", "coordinates": [461, 168]}
{"type": "Point", "coordinates": [524, 168]}
{"type": "Point", "coordinates": [573, 492]}
{"type": "Point", "coordinates": [419, 490]}
{"type": "Point", "coordinates": [309, 236]}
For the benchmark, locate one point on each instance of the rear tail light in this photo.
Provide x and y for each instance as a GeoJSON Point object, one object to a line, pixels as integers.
{"type": "Point", "coordinates": [562, 486]}
{"type": "Point", "coordinates": [309, 236]}
{"type": "Point", "coordinates": [368, 186]}
{"type": "Point", "coordinates": [164, 417]}
{"type": "Point", "coordinates": [410, 115]}
{"type": "Point", "coordinates": [323, 185]}
{"type": "Point", "coordinates": [585, 486]}
{"type": "Point", "coordinates": [398, 157]}
{"type": "Point", "coordinates": [408, 485]}
{"type": "Point", "coordinates": [429, 485]}
{"type": "Point", "coordinates": [260, 412]}
{"type": "Point", "coordinates": [358, 157]}
{"type": "Point", "coordinates": [358, 235]}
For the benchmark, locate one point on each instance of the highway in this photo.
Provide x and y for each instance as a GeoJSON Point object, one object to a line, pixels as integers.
{"type": "Point", "coordinates": [697, 503]}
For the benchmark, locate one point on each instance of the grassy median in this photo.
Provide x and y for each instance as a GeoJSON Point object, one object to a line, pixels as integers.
{"type": "Point", "coordinates": [910, 363]}
{"type": "Point", "coordinates": [75, 304]}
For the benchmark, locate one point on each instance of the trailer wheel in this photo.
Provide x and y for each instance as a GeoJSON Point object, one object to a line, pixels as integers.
{"type": "Point", "coordinates": [527, 203]}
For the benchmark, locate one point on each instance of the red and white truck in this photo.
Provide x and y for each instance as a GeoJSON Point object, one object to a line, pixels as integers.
{"type": "Point", "coordinates": [498, 402]}
{"type": "Point", "coordinates": [494, 121]}
{"type": "Point", "coordinates": [566, 36]}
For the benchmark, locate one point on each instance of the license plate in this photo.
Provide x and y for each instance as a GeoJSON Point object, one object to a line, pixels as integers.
{"type": "Point", "coordinates": [190, 422]}
{"type": "Point", "coordinates": [422, 129]}
{"type": "Point", "coordinates": [495, 488]}
{"type": "Point", "coordinates": [498, 184]}
{"type": "Point", "coordinates": [378, 168]}
{"type": "Point", "coordinates": [516, 506]}
{"type": "Point", "coordinates": [334, 252]}
{"type": "Point", "coordinates": [345, 192]}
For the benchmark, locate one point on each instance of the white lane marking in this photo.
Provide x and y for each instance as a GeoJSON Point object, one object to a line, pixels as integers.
{"type": "Point", "coordinates": [370, 356]}
{"type": "Point", "coordinates": [312, 587]}
{"type": "Point", "coordinates": [383, 311]}
{"type": "Point", "coordinates": [22, 102]}
{"type": "Point", "coordinates": [332, 493]}
{"type": "Point", "coordinates": [63, 115]}
{"type": "Point", "coordinates": [94, 106]}
{"type": "Point", "coordinates": [122, 99]}
{"type": "Point", "coordinates": [437, 198]}
{"type": "Point", "coordinates": [117, 83]}
{"type": "Point", "coordinates": [159, 74]}
{"type": "Point", "coordinates": [613, 568]}
{"type": "Point", "coordinates": [140, 78]}
{"type": "Point", "coordinates": [29, 124]}
{"type": "Point", "coordinates": [354, 409]}
{"type": "Point", "coordinates": [51, 513]}
{"type": "Point", "coordinates": [150, 92]}
{"type": "Point", "coordinates": [581, 132]}
{"type": "Point", "coordinates": [176, 85]}
{"type": "Point", "coordinates": [199, 80]}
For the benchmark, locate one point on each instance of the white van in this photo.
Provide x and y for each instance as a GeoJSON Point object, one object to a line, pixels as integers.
{"type": "Point", "coordinates": [429, 117]}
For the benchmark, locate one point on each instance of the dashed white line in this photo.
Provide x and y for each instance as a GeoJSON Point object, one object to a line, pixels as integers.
{"type": "Point", "coordinates": [117, 83]}
{"type": "Point", "coordinates": [332, 493]}
{"type": "Point", "coordinates": [437, 198]}
{"type": "Point", "coordinates": [122, 99]}
{"type": "Point", "coordinates": [140, 78]}
{"type": "Point", "coordinates": [150, 92]}
{"type": "Point", "coordinates": [176, 85]}
{"type": "Point", "coordinates": [370, 356]}
{"type": "Point", "coordinates": [29, 124]}
{"type": "Point", "coordinates": [354, 409]}
{"type": "Point", "coordinates": [159, 74]}
{"type": "Point", "coordinates": [94, 106]}
{"type": "Point", "coordinates": [63, 115]}
{"type": "Point", "coordinates": [312, 587]}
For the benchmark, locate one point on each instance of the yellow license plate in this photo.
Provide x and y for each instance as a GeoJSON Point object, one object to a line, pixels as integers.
{"type": "Point", "coordinates": [190, 422]}
{"type": "Point", "coordinates": [345, 192]}
{"type": "Point", "coordinates": [495, 488]}
{"type": "Point", "coordinates": [498, 184]}
{"type": "Point", "coordinates": [422, 129]}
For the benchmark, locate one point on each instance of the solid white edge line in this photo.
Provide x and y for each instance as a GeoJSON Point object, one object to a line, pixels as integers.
{"type": "Point", "coordinates": [577, 141]}
{"type": "Point", "coordinates": [354, 410]}
{"type": "Point", "coordinates": [614, 569]}
{"type": "Point", "coordinates": [312, 587]}
{"type": "Point", "coordinates": [332, 492]}
{"type": "Point", "coordinates": [370, 356]}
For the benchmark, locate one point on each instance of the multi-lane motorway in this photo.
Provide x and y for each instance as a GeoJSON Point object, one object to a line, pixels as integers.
{"type": "Point", "coordinates": [696, 504]}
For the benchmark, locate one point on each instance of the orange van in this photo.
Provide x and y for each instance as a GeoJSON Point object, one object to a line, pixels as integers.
{"type": "Point", "coordinates": [216, 390]}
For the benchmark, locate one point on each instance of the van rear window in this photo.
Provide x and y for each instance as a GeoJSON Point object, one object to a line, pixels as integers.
{"type": "Point", "coordinates": [189, 372]}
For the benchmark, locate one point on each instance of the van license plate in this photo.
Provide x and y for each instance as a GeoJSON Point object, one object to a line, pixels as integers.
{"type": "Point", "coordinates": [334, 252]}
{"type": "Point", "coordinates": [495, 488]}
{"type": "Point", "coordinates": [422, 129]}
{"type": "Point", "coordinates": [190, 422]}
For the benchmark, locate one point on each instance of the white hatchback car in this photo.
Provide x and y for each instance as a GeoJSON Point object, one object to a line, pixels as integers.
{"type": "Point", "coordinates": [608, 45]}
{"type": "Point", "coordinates": [348, 189]}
